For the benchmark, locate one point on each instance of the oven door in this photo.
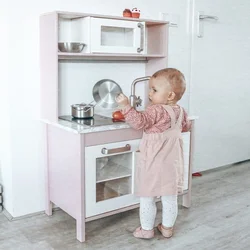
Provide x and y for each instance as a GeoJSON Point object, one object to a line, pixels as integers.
{"type": "Point", "coordinates": [109, 176]}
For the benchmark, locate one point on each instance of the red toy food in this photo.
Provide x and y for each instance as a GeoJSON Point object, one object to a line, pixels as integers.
{"type": "Point", "coordinates": [127, 13]}
{"type": "Point", "coordinates": [117, 115]}
{"type": "Point", "coordinates": [135, 13]}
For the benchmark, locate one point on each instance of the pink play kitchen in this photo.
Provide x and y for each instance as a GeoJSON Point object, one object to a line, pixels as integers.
{"type": "Point", "coordinates": [90, 157]}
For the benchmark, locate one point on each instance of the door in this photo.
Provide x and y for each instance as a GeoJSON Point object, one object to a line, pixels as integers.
{"type": "Point", "coordinates": [117, 36]}
{"type": "Point", "coordinates": [220, 83]}
{"type": "Point", "coordinates": [109, 176]}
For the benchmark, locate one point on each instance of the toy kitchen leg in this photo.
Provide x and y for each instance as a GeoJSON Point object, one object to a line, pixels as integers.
{"type": "Point", "coordinates": [80, 228]}
{"type": "Point", "coordinates": [48, 203]}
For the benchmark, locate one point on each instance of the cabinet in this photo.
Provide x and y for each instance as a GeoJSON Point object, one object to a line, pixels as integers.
{"type": "Point", "coordinates": [89, 184]}
{"type": "Point", "coordinates": [104, 35]}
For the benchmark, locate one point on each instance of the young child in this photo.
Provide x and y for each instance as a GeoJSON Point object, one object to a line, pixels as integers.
{"type": "Point", "coordinates": [159, 170]}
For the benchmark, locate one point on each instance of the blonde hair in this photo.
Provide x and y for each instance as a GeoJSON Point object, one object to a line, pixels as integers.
{"type": "Point", "coordinates": [175, 78]}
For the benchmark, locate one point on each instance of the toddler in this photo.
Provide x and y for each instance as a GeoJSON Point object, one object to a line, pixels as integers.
{"type": "Point", "coordinates": [159, 170]}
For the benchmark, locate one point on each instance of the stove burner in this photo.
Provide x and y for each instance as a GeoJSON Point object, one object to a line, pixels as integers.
{"type": "Point", "coordinates": [97, 120]}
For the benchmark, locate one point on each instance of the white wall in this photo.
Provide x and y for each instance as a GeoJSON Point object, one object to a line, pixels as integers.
{"type": "Point", "coordinates": [21, 133]}
{"type": "Point", "coordinates": [83, 76]}
{"type": "Point", "coordinates": [5, 149]}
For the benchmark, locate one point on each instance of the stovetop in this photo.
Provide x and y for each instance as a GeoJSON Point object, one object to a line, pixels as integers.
{"type": "Point", "coordinates": [97, 120]}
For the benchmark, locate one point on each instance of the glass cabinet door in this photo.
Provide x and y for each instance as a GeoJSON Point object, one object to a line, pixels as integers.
{"type": "Point", "coordinates": [109, 176]}
{"type": "Point", "coordinates": [113, 176]}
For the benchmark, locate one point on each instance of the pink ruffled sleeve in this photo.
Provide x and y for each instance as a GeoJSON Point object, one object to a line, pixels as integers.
{"type": "Point", "coordinates": [186, 123]}
{"type": "Point", "coordinates": [141, 120]}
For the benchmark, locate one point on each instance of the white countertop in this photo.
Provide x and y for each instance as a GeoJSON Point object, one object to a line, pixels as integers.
{"type": "Point", "coordinates": [82, 129]}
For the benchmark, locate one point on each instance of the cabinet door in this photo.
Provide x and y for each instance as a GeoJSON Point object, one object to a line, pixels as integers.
{"type": "Point", "coordinates": [109, 176]}
{"type": "Point", "coordinates": [117, 36]}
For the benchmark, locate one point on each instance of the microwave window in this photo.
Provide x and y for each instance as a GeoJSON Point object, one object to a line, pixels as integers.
{"type": "Point", "coordinates": [117, 36]}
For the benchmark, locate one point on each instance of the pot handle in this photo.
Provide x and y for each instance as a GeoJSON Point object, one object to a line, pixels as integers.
{"type": "Point", "coordinates": [82, 45]}
{"type": "Point", "coordinates": [88, 105]}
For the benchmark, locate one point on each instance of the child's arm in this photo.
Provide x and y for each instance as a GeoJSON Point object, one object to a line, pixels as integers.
{"type": "Point", "coordinates": [137, 120]}
{"type": "Point", "coordinates": [140, 120]}
{"type": "Point", "coordinates": [186, 123]}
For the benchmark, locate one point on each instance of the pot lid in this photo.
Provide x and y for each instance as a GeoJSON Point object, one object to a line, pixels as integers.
{"type": "Point", "coordinates": [105, 92]}
{"type": "Point", "coordinates": [81, 106]}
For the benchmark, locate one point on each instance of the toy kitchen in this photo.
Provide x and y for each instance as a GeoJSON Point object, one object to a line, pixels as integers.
{"type": "Point", "coordinates": [86, 59]}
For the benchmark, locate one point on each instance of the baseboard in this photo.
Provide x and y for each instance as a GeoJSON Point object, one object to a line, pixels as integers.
{"type": "Point", "coordinates": [231, 165]}
{"type": "Point", "coordinates": [11, 218]}
{"type": "Point", "coordinates": [7, 214]}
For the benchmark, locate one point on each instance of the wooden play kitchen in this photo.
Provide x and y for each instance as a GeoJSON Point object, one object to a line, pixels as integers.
{"type": "Point", "coordinates": [90, 167]}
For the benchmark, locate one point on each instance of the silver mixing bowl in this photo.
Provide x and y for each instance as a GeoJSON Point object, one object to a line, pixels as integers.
{"type": "Point", "coordinates": [71, 47]}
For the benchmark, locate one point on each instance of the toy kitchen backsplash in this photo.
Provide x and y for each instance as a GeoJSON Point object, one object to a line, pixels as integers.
{"type": "Point", "coordinates": [76, 81]}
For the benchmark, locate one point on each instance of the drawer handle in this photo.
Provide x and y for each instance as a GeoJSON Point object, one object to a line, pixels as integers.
{"type": "Point", "coordinates": [106, 151]}
{"type": "Point", "coordinates": [140, 49]}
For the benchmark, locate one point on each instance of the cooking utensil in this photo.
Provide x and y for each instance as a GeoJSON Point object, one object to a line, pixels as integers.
{"type": "Point", "coordinates": [82, 110]}
{"type": "Point", "coordinates": [71, 47]}
{"type": "Point", "coordinates": [104, 93]}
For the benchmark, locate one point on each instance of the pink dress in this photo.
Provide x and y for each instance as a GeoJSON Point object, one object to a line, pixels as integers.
{"type": "Point", "coordinates": [159, 168]}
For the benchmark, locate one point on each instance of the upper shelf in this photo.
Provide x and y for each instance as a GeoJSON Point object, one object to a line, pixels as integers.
{"type": "Point", "coordinates": [109, 56]}
{"type": "Point", "coordinates": [73, 15]}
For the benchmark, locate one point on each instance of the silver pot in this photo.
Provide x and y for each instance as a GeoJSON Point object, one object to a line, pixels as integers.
{"type": "Point", "coordinates": [82, 110]}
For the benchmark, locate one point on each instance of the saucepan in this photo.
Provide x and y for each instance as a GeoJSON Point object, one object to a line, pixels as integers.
{"type": "Point", "coordinates": [82, 110]}
{"type": "Point", "coordinates": [104, 94]}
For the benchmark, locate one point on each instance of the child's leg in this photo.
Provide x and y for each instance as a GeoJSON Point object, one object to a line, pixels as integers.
{"type": "Point", "coordinates": [169, 210]}
{"type": "Point", "coordinates": [147, 212]}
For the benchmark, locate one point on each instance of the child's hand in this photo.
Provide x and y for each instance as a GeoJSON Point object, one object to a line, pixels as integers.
{"type": "Point", "coordinates": [122, 100]}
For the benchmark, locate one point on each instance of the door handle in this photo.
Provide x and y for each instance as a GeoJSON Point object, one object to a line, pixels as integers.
{"type": "Point", "coordinates": [106, 151]}
{"type": "Point", "coordinates": [200, 19]}
{"type": "Point", "coordinates": [141, 27]}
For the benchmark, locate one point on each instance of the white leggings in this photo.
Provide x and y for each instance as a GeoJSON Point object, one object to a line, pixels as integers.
{"type": "Point", "coordinates": [148, 211]}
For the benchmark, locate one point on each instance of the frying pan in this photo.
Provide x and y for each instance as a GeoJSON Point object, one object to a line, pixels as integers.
{"type": "Point", "coordinates": [104, 93]}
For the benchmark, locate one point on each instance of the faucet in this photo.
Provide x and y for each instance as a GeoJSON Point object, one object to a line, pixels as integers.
{"type": "Point", "coordinates": [134, 100]}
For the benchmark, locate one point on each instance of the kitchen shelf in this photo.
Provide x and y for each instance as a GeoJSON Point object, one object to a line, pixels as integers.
{"type": "Point", "coordinates": [111, 171]}
{"type": "Point", "coordinates": [111, 56]}
{"type": "Point", "coordinates": [113, 189]}
{"type": "Point", "coordinates": [121, 186]}
{"type": "Point", "coordinates": [71, 16]}
{"type": "Point", "coordinates": [114, 178]}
